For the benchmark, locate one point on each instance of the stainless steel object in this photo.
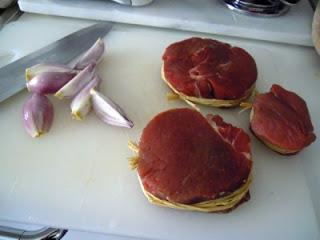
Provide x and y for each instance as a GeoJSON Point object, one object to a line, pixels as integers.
{"type": "Point", "coordinates": [62, 51]}
{"type": "Point", "coordinates": [134, 3]}
{"type": "Point", "coordinates": [261, 8]}
{"type": "Point", "coordinates": [290, 2]}
{"type": "Point", "coordinates": [7, 233]}
{"type": "Point", "coordinates": [9, 14]}
{"type": "Point", "coordinates": [6, 3]}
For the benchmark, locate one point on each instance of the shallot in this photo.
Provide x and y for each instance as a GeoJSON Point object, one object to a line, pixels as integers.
{"type": "Point", "coordinates": [108, 111]}
{"type": "Point", "coordinates": [93, 55]}
{"type": "Point", "coordinates": [37, 115]}
{"type": "Point", "coordinates": [49, 82]}
{"type": "Point", "coordinates": [81, 104]}
{"type": "Point", "coordinates": [47, 67]}
{"type": "Point", "coordinates": [77, 83]}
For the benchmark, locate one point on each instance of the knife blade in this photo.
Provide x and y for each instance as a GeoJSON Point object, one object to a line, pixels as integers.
{"type": "Point", "coordinates": [12, 76]}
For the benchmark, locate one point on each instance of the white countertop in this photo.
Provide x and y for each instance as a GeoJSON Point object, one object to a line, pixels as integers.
{"type": "Point", "coordinates": [207, 16]}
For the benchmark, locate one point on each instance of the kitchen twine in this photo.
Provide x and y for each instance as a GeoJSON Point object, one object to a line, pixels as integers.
{"type": "Point", "coordinates": [216, 205]}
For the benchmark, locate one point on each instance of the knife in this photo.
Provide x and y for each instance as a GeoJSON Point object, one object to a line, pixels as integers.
{"type": "Point", "coordinates": [12, 76]}
{"type": "Point", "coordinates": [133, 3]}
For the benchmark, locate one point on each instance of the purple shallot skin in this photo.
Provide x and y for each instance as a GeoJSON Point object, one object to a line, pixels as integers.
{"type": "Point", "coordinates": [38, 115]}
{"type": "Point", "coordinates": [108, 111]}
{"type": "Point", "coordinates": [49, 82]}
{"type": "Point", "coordinates": [81, 103]}
{"type": "Point", "coordinates": [92, 55]}
{"type": "Point", "coordinates": [37, 69]}
{"type": "Point", "coordinates": [77, 83]}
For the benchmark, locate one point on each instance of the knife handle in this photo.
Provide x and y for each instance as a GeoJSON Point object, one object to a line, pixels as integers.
{"type": "Point", "coordinates": [8, 233]}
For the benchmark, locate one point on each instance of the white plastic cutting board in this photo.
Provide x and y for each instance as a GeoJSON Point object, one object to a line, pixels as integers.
{"type": "Point", "coordinates": [78, 177]}
{"type": "Point", "coordinates": [209, 16]}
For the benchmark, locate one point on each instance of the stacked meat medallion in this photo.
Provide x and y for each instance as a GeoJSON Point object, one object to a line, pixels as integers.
{"type": "Point", "coordinates": [209, 72]}
{"type": "Point", "coordinates": [193, 162]}
{"type": "Point", "coordinates": [281, 120]}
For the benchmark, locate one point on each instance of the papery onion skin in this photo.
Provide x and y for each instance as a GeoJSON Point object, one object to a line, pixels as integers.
{"type": "Point", "coordinates": [92, 55]}
{"type": "Point", "coordinates": [81, 104]}
{"type": "Point", "coordinates": [77, 83]}
{"type": "Point", "coordinates": [108, 111]}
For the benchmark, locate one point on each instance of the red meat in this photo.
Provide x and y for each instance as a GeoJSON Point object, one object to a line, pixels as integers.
{"type": "Point", "coordinates": [209, 69]}
{"type": "Point", "coordinates": [281, 118]}
{"type": "Point", "coordinates": [186, 158]}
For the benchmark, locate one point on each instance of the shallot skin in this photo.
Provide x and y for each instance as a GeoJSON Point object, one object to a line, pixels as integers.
{"type": "Point", "coordinates": [92, 55]}
{"type": "Point", "coordinates": [38, 115]}
{"type": "Point", "coordinates": [40, 68]}
{"type": "Point", "coordinates": [108, 111]}
{"type": "Point", "coordinates": [81, 104]}
{"type": "Point", "coordinates": [75, 85]}
{"type": "Point", "coordinates": [49, 82]}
